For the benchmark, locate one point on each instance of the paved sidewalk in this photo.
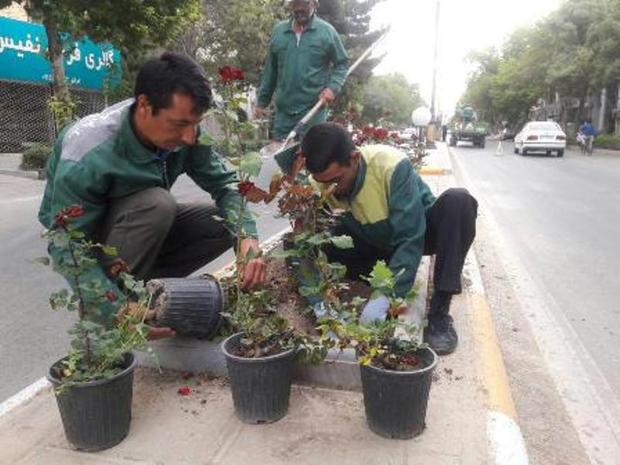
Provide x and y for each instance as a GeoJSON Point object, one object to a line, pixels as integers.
{"type": "Point", "coordinates": [469, 403]}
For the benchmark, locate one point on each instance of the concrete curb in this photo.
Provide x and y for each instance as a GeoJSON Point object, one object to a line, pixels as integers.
{"type": "Point", "coordinates": [434, 171]}
{"type": "Point", "coordinates": [22, 174]}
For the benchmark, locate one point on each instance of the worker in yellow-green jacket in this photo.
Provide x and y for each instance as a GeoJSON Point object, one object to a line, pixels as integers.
{"type": "Point", "coordinates": [392, 215]}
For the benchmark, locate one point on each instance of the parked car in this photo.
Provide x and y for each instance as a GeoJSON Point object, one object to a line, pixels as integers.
{"type": "Point", "coordinates": [541, 136]}
{"type": "Point", "coordinates": [406, 133]}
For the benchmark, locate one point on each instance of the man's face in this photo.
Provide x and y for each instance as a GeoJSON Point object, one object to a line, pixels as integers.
{"type": "Point", "coordinates": [342, 176]}
{"type": "Point", "coordinates": [302, 11]}
{"type": "Point", "coordinates": [170, 127]}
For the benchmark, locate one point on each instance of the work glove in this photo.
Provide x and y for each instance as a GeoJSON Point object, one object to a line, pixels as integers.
{"type": "Point", "coordinates": [375, 310]}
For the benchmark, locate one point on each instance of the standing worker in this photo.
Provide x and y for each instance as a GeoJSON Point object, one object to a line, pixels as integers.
{"type": "Point", "coordinates": [306, 62]}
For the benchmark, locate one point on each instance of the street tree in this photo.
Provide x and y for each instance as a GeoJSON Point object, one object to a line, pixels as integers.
{"type": "Point", "coordinates": [351, 18]}
{"type": "Point", "coordinates": [390, 98]}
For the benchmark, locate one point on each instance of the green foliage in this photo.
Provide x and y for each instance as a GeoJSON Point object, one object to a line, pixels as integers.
{"type": "Point", "coordinates": [390, 98]}
{"type": "Point", "coordinates": [575, 51]}
{"type": "Point", "coordinates": [97, 349]}
{"type": "Point", "coordinates": [63, 109]}
{"type": "Point", "coordinates": [607, 141]}
{"type": "Point", "coordinates": [236, 32]}
{"type": "Point", "coordinates": [351, 18]}
{"type": "Point", "coordinates": [35, 157]}
{"type": "Point", "coordinates": [382, 281]}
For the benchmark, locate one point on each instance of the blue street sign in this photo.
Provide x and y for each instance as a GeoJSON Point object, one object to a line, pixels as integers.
{"type": "Point", "coordinates": [23, 57]}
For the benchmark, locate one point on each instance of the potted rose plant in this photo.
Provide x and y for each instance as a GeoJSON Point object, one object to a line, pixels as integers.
{"type": "Point", "coordinates": [396, 370]}
{"type": "Point", "coordinates": [260, 355]}
{"type": "Point", "coordinates": [93, 384]}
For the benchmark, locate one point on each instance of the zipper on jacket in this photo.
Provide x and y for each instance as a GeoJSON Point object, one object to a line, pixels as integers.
{"type": "Point", "coordinates": [163, 166]}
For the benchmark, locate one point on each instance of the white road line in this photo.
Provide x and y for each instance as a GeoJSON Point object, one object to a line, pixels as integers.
{"type": "Point", "coordinates": [23, 396]}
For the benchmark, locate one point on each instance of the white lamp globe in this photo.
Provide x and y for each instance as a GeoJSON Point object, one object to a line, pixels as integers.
{"type": "Point", "coordinates": [421, 116]}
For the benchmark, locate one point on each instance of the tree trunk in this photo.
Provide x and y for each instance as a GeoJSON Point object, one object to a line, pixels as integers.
{"type": "Point", "coordinates": [61, 90]}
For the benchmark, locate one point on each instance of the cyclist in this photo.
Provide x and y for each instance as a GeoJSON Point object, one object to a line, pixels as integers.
{"type": "Point", "coordinates": [586, 136]}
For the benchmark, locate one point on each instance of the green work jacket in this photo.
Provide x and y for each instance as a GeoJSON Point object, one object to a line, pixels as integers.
{"type": "Point", "coordinates": [99, 159]}
{"type": "Point", "coordinates": [298, 70]}
{"type": "Point", "coordinates": [387, 208]}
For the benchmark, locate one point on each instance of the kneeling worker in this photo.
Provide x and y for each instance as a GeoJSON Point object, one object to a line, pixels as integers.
{"type": "Point", "coordinates": [392, 215]}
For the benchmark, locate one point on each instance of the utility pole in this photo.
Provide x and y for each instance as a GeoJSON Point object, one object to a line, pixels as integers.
{"type": "Point", "coordinates": [434, 91]}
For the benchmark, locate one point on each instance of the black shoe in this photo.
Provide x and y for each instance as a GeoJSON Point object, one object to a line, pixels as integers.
{"type": "Point", "coordinates": [440, 334]}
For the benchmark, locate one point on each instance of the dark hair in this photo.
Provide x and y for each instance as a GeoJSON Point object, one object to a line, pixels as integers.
{"type": "Point", "coordinates": [171, 73]}
{"type": "Point", "coordinates": [324, 144]}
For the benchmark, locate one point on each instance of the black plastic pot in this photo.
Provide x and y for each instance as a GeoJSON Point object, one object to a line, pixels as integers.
{"type": "Point", "coordinates": [194, 306]}
{"type": "Point", "coordinates": [261, 387]}
{"type": "Point", "coordinates": [395, 401]}
{"type": "Point", "coordinates": [96, 414]}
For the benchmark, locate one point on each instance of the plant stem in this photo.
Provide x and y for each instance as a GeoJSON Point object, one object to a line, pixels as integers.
{"type": "Point", "coordinates": [81, 310]}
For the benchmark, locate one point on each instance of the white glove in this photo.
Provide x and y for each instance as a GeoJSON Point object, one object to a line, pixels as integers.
{"type": "Point", "coordinates": [375, 310]}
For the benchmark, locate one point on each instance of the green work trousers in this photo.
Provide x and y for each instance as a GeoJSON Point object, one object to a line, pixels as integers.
{"type": "Point", "coordinates": [160, 238]}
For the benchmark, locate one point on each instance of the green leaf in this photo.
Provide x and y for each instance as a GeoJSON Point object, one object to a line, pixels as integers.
{"type": "Point", "coordinates": [251, 164]}
{"type": "Point", "coordinates": [109, 250]}
{"type": "Point", "coordinates": [342, 242]}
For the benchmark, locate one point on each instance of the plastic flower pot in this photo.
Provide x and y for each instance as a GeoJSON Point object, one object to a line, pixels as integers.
{"type": "Point", "coordinates": [261, 387]}
{"type": "Point", "coordinates": [192, 306]}
{"type": "Point", "coordinates": [96, 414]}
{"type": "Point", "coordinates": [395, 401]}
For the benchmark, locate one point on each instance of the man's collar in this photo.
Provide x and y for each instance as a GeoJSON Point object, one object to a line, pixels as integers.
{"type": "Point", "coordinates": [360, 176]}
{"type": "Point", "coordinates": [131, 144]}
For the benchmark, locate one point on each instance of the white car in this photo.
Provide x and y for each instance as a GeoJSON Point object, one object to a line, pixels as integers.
{"type": "Point", "coordinates": [541, 136]}
{"type": "Point", "coordinates": [406, 134]}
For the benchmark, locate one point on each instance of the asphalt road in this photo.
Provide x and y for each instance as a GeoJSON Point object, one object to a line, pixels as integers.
{"type": "Point", "coordinates": [562, 218]}
{"type": "Point", "coordinates": [32, 336]}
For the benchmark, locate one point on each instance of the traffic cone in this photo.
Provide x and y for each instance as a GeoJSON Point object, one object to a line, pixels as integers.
{"type": "Point", "coordinates": [500, 149]}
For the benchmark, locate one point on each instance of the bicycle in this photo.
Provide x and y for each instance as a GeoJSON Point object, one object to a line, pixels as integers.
{"type": "Point", "coordinates": [586, 143]}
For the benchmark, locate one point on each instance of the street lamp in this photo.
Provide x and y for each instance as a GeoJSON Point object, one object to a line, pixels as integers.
{"type": "Point", "coordinates": [421, 117]}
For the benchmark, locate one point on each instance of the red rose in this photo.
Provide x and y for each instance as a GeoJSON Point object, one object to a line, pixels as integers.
{"type": "Point", "coordinates": [74, 211]}
{"type": "Point", "coordinates": [368, 131]}
{"type": "Point", "coordinates": [119, 266]}
{"type": "Point", "coordinates": [230, 73]}
{"type": "Point", "coordinates": [381, 133]}
{"type": "Point", "coordinates": [245, 187]}
{"type": "Point", "coordinates": [184, 391]}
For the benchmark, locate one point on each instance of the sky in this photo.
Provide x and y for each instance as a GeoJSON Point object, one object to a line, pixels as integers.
{"type": "Point", "coordinates": [465, 25]}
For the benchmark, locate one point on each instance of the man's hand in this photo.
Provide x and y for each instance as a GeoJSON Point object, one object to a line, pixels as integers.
{"type": "Point", "coordinates": [254, 271]}
{"type": "Point", "coordinates": [327, 96]}
{"type": "Point", "coordinates": [259, 112]}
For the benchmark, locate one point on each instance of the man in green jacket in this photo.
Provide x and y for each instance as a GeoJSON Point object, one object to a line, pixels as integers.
{"type": "Point", "coordinates": [120, 164]}
{"type": "Point", "coordinates": [306, 62]}
{"type": "Point", "coordinates": [392, 215]}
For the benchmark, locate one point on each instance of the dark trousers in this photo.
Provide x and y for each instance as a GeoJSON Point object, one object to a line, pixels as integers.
{"type": "Point", "coordinates": [159, 237]}
{"type": "Point", "coordinates": [450, 231]}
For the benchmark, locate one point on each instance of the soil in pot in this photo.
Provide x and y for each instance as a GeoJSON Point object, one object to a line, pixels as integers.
{"type": "Point", "coordinates": [395, 400]}
{"type": "Point", "coordinates": [96, 415]}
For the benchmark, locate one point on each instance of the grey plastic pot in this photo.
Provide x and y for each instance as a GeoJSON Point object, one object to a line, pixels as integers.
{"type": "Point", "coordinates": [396, 401]}
{"type": "Point", "coordinates": [261, 387]}
{"type": "Point", "coordinates": [96, 415]}
{"type": "Point", "coordinates": [194, 306]}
